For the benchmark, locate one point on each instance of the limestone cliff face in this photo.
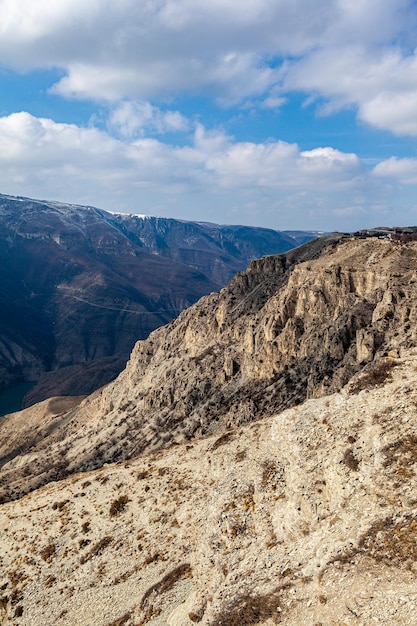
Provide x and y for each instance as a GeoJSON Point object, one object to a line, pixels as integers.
{"type": "Point", "coordinates": [275, 336]}
{"type": "Point", "coordinates": [291, 327]}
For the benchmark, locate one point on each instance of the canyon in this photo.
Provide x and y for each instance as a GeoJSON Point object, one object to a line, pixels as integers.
{"type": "Point", "coordinates": [254, 463]}
{"type": "Point", "coordinates": [80, 286]}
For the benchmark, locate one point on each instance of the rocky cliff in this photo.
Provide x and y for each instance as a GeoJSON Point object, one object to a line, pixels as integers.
{"type": "Point", "coordinates": [79, 286]}
{"type": "Point", "coordinates": [291, 327]}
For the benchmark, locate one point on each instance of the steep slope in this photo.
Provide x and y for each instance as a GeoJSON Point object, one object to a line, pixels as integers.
{"type": "Point", "coordinates": [304, 518]}
{"type": "Point", "coordinates": [291, 327]}
{"type": "Point", "coordinates": [81, 285]}
{"type": "Point", "coordinates": [219, 252]}
{"type": "Point", "coordinates": [75, 289]}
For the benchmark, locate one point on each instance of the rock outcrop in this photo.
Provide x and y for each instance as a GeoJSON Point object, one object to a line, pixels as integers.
{"type": "Point", "coordinates": [307, 517]}
{"type": "Point", "coordinates": [291, 327]}
{"type": "Point", "coordinates": [81, 286]}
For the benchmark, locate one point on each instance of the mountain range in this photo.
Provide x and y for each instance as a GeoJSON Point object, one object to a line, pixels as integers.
{"type": "Point", "coordinates": [253, 464]}
{"type": "Point", "coordinates": [79, 286]}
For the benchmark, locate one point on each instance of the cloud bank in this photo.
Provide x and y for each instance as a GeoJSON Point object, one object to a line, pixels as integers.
{"type": "Point", "coordinates": [360, 54]}
{"type": "Point", "coordinates": [137, 60]}
{"type": "Point", "coordinates": [232, 179]}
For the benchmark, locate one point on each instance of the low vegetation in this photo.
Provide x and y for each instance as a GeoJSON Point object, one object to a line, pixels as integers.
{"type": "Point", "coordinates": [97, 549]}
{"type": "Point", "coordinates": [118, 505]}
{"type": "Point", "coordinates": [378, 374]}
{"type": "Point", "coordinates": [48, 552]}
{"type": "Point", "coordinates": [248, 610]}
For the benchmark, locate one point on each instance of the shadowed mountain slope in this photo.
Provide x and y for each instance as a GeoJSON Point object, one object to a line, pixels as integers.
{"type": "Point", "coordinates": [217, 251]}
{"type": "Point", "coordinates": [80, 285]}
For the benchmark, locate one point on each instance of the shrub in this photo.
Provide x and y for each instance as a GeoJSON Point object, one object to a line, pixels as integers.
{"type": "Point", "coordinates": [248, 610]}
{"type": "Point", "coordinates": [96, 549]}
{"type": "Point", "coordinates": [48, 552]}
{"type": "Point", "coordinates": [350, 460]}
{"type": "Point", "coordinates": [121, 620]}
{"type": "Point", "coordinates": [118, 505]}
{"type": "Point", "coordinates": [222, 440]}
{"type": "Point", "coordinates": [60, 505]}
{"type": "Point", "coordinates": [85, 527]}
{"type": "Point", "coordinates": [376, 375]}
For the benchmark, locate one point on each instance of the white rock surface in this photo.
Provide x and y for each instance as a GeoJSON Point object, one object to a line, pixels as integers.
{"type": "Point", "coordinates": [305, 518]}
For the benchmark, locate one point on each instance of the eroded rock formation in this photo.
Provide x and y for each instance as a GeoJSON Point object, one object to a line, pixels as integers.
{"type": "Point", "coordinates": [291, 327]}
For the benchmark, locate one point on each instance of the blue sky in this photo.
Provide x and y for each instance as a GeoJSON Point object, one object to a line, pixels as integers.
{"type": "Point", "coordinates": [279, 113]}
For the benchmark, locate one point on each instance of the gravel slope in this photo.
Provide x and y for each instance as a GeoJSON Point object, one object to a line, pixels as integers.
{"type": "Point", "coordinates": [308, 517]}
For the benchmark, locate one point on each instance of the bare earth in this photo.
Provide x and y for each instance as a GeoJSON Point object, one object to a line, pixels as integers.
{"type": "Point", "coordinates": [308, 517]}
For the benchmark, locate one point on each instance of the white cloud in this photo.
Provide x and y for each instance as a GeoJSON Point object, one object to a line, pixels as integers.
{"type": "Point", "coordinates": [273, 102]}
{"type": "Point", "coordinates": [383, 86]}
{"type": "Point", "coordinates": [130, 119]}
{"type": "Point", "coordinates": [281, 166]}
{"type": "Point", "coordinates": [272, 184]}
{"type": "Point", "coordinates": [393, 110]}
{"type": "Point", "coordinates": [356, 53]}
{"type": "Point", "coordinates": [402, 171]}
{"type": "Point", "coordinates": [134, 49]}
{"type": "Point", "coordinates": [340, 166]}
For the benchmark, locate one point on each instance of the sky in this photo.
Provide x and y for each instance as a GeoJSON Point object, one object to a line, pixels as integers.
{"type": "Point", "coordinates": [287, 114]}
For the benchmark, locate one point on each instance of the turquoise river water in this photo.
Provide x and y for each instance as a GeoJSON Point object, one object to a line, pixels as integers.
{"type": "Point", "coordinates": [10, 400]}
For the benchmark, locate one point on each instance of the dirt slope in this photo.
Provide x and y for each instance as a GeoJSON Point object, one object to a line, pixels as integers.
{"type": "Point", "coordinates": [307, 517]}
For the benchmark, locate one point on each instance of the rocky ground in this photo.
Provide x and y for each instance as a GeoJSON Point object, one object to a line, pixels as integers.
{"type": "Point", "coordinates": [294, 326]}
{"type": "Point", "coordinates": [306, 517]}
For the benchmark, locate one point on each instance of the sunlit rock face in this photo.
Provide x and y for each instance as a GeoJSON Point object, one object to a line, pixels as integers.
{"type": "Point", "coordinates": [291, 327]}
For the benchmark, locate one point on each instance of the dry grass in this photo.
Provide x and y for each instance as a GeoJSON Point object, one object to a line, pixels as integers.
{"type": "Point", "coordinates": [154, 593]}
{"type": "Point", "coordinates": [121, 620]}
{"type": "Point", "coordinates": [241, 456]}
{"type": "Point", "coordinates": [350, 460]}
{"type": "Point", "coordinates": [401, 456]}
{"type": "Point", "coordinates": [249, 610]}
{"type": "Point", "coordinates": [222, 440]}
{"type": "Point", "coordinates": [118, 505]}
{"type": "Point", "coordinates": [97, 549]}
{"type": "Point", "coordinates": [60, 505]}
{"type": "Point", "coordinates": [392, 541]}
{"type": "Point", "coordinates": [48, 552]}
{"type": "Point", "coordinates": [389, 540]}
{"type": "Point", "coordinates": [376, 375]}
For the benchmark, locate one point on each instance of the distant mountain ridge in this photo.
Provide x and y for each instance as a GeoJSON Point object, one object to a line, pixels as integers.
{"type": "Point", "coordinates": [218, 251]}
{"type": "Point", "coordinates": [79, 286]}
